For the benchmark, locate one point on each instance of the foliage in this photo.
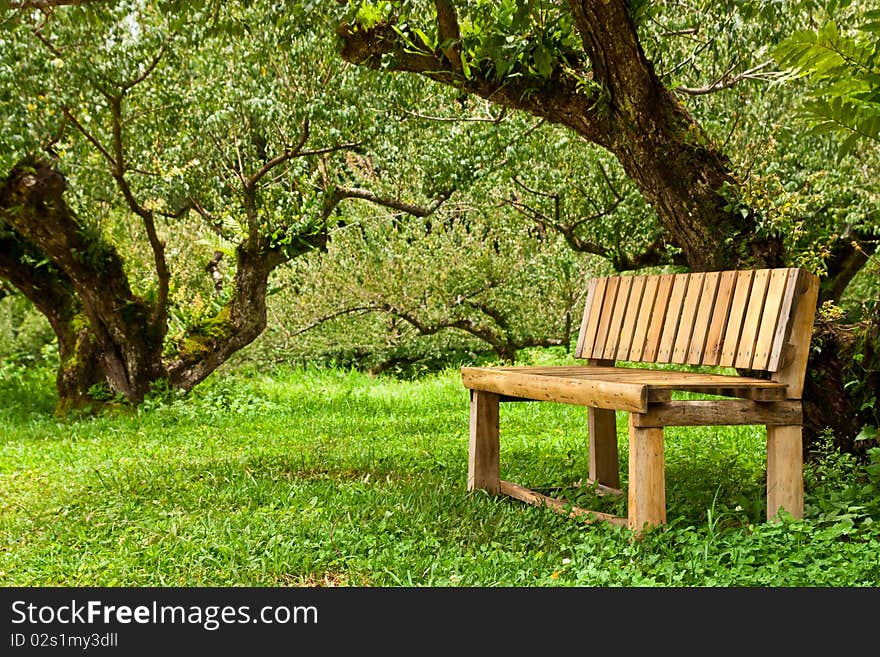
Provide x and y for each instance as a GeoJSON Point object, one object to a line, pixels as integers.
{"type": "Point", "coordinates": [25, 335]}
{"type": "Point", "coordinates": [843, 66]}
{"type": "Point", "coordinates": [451, 286]}
{"type": "Point", "coordinates": [360, 481]}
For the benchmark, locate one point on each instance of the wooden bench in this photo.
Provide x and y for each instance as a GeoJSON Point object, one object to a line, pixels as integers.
{"type": "Point", "coordinates": [756, 322]}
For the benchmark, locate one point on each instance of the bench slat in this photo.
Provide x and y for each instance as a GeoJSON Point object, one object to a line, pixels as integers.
{"type": "Point", "coordinates": [606, 316]}
{"type": "Point", "coordinates": [737, 315]}
{"type": "Point", "coordinates": [624, 345]}
{"type": "Point", "coordinates": [592, 308]}
{"type": "Point", "coordinates": [704, 314]}
{"type": "Point", "coordinates": [686, 326]}
{"type": "Point", "coordinates": [584, 391]}
{"type": "Point", "coordinates": [785, 314]}
{"type": "Point", "coordinates": [620, 304]}
{"type": "Point", "coordinates": [657, 318]}
{"type": "Point", "coordinates": [754, 318]}
{"type": "Point", "coordinates": [674, 318]}
{"type": "Point", "coordinates": [707, 383]}
{"type": "Point", "coordinates": [772, 308]}
{"type": "Point", "coordinates": [715, 337]}
{"type": "Point", "coordinates": [643, 320]}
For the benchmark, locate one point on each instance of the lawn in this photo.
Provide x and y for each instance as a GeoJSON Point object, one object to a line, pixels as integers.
{"type": "Point", "coordinates": [327, 477]}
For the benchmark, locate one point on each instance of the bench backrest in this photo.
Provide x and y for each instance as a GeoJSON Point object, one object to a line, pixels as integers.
{"type": "Point", "coordinates": [751, 319]}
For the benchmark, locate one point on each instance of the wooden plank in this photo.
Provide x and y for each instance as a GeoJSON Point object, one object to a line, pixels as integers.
{"type": "Point", "coordinates": [753, 319]}
{"type": "Point", "coordinates": [624, 345]}
{"type": "Point", "coordinates": [786, 312]}
{"type": "Point", "coordinates": [718, 325]}
{"type": "Point", "coordinates": [617, 315]}
{"type": "Point", "coordinates": [597, 488]}
{"type": "Point", "coordinates": [738, 306]}
{"type": "Point", "coordinates": [611, 286]}
{"type": "Point", "coordinates": [658, 383]}
{"type": "Point", "coordinates": [646, 499]}
{"type": "Point", "coordinates": [589, 323]}
{"type": "Point", "coordinates": [793, 367]}
{"type": "Point", "coordinates": [785, 478]}
{"type": "Point", "coordinates": [741, 392]}
{"type": "Point", "coordinates": [701, 322]}
{"type": "Point", "coordinates": [770, 319]}
{"type": "Point", "coordinates": [523, 494]}
{"type": "Point", "coordinates": [690, 306]}
{"type": "Point", "coordinates": [483, 447]}
{"type": "Point", "coordinates": [643, 320]}
{"type": "Point", "coordinates": [658, 318]}
{"type": "Point", "coordinates": [602, 434]}
{"type": "Point", "coordinates": [716, 412]}
{"type": "Point", "coordinates": [629, 374]}
{"type": "Point", "coordinates": [584, 391]}
{"type": "Point", "coordinates": [672, 324]}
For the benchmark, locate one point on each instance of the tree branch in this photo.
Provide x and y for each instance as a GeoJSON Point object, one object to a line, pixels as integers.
{"type": "Point", "coordinates": [850, 253]}
{"type": "Point", "coordinates": [89, 136]}
{"type": "Point", "coordinates": [495, 120]}
{"type": "Point", "coordinates": [281, 158]}
{"type": "Point", "coordinates": [339, 194]}
{"type": "Point", "coordinates": [727, 81]}
{"type": "Point", "coordinates": [160, 310]}
{"type": "Point", "coordinates": [449, 32]}
{"type": "Point", "coordinates": [564, 99]}
{"type": "Point", "coordinates": [326, 318]}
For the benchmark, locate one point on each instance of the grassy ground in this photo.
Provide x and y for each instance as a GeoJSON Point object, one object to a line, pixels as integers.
{"type": "Point", "coordinates": [326, 477]}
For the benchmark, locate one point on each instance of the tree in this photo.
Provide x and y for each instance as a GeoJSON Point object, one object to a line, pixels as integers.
{"type": "Point", "coordinates": [145, 145]}
{"type": "Point", "coordinates": [582, 64]}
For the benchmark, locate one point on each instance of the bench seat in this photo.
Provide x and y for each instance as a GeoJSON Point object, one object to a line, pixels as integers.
{"type": "Point", "coordinates": [616, 388]}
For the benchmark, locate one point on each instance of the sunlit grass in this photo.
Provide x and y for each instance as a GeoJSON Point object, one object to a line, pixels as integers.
{"type": "Point", "coordinates": [326, 477]}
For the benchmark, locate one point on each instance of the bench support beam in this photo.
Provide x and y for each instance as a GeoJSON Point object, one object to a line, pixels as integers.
{"type": "Point", "coordinates": [717, 412]}
{"type": "Point", "coordinates": [647, 480]}
{"type": "Point", "coordinates": [785, 478]}
{"type": "Point", "coordinates": [602, 432]}
{"type": "Point", "coordinates": [484, 447]}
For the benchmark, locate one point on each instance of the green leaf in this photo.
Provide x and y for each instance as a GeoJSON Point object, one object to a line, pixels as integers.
{"type": "Point", "coordinates": [465, 67]}
{"type": "Point", "coordinates": [543, 61]}
{"type": "Point", "coordinates": [867, 433]}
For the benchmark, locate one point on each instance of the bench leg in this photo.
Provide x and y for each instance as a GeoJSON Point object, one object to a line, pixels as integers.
{"type": "Point", "coordinates": [785, 471]}
{"type": "Point", "coordinates": [602, 430]}
{"type": "Point", "coordinates": [647, 479]}
{"type": "Point", "coordinates": [483, 450]}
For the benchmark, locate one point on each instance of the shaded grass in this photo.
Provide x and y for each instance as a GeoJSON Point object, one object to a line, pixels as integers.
{"type": "Point", "coordinates": [304, 477]}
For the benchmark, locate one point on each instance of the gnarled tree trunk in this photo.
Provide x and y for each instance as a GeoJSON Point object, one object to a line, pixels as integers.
{"type": "Point", "coordinates": [107, 335]}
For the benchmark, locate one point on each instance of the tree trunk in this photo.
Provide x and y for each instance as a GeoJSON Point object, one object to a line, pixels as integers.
{"type": "Point", "coordinates": [77, 281]}
{"type": "Point", "coordinates": [105, 333]}
{"type": "Point", "coordinates": [842, 387]}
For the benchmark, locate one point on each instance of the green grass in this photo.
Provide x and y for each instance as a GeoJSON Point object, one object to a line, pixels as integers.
{"type": "Point", "coordinates": [328, 477]}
